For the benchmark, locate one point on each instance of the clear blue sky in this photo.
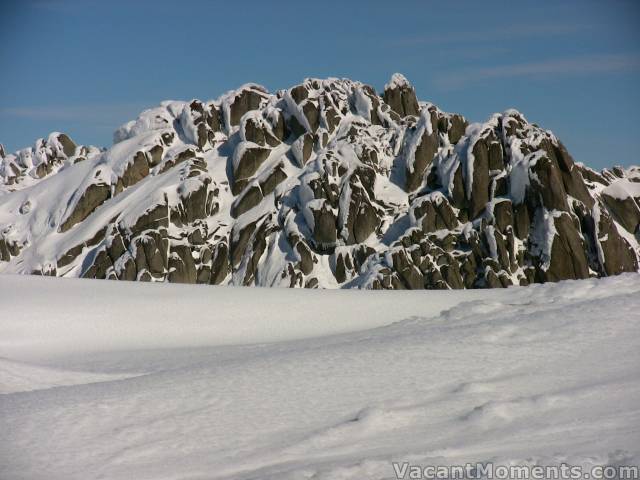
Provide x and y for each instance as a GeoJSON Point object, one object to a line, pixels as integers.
{"type": "Point", "coordinates": [85, 67]}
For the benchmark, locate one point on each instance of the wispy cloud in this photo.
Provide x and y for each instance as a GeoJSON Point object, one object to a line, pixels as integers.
{"type": "Point", "coordinates": [509, 32]}
{"type": "Point", "coordinates": [568, 66]}
{"type": "Point", "coordinates": [462, 53]}
{"type": "Point", "coordinates": [90, 113]}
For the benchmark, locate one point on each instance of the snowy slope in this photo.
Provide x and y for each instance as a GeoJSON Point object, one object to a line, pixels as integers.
{"type": "Point", "coordinates": [147, 381]}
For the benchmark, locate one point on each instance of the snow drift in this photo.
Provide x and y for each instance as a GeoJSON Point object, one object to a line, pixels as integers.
{"type": "Point", "coordinates": [323, 384]}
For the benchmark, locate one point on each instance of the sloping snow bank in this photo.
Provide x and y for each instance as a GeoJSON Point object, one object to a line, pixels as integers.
{"type": "Point", "coordinates": [23, 377]}
{"type": "Point", "coordinates": [95, 315]}
{"type": "Point", "coordinates": [538, 375]}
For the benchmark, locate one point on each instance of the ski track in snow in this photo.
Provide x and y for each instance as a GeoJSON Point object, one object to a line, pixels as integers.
{"type": "Point", "coordinates": [118, 380]}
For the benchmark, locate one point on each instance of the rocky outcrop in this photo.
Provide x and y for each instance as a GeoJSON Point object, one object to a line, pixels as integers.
{"type": "Point", "coordinates": [626, 210]}
{"type": "Point", "coordinates": [568, 259]}
{"type": "Point", "coordinates": [326, 184]}
{"type": "Point", "coordinates": [89, 200]}
{"type": "Point", "coordinates": [400, 96]}
{"type": "Point", "coordinates": [46, 157]}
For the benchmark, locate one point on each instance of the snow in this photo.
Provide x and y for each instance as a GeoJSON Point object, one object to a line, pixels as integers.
{"type": "Point", "coordinates": [544, 233]}
{"type": "Point", "coordinates": [397, 81]}
{"type": "Point", "coordinates": [622, 189]}
{"type": "Point", "coordinates": [189, 128]}
{"type": "Point", "coordinates": [473, 133]}
{"type": "Point", "coordinates": [51, 201]}
{"type": "Point", "coordinates": [448, 162]}
{"type": "Point", "coordinates": [297, 150]}
{"type": "Point", "coordinates": [24, 377]}
{"type": "Point", "coordinates": [240, 151]}
{"type": "Point", "coordinates": [152, 119]}
{"type": "Point", "coordinates": [362, 104]}
{"type": "Point", "coordinates": [296, 110]}
{"type": "Point", "coordinates": [596, 226]}
{"type": "Point", "coordinates": [489, 234]}
{"type": "Point", "coordinates": [413, 141]}
{"type": "Point", "coordinates": [151, 381]}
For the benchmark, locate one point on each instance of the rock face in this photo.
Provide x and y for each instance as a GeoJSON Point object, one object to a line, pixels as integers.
{"type": "Point", "coordinates": [326, 184]}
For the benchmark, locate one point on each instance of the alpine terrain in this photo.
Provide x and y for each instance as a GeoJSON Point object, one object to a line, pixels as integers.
{"type": "Point", "coordinates": [327, 184]}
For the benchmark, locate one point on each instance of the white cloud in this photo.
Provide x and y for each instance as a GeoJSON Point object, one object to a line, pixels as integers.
{"type": "Point", "coordinates": [492, 35]}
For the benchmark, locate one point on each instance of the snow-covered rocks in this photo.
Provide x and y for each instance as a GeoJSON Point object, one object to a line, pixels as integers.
{"type": "Point", "coordinates": [325, 184]}
{"type": "Point", "coordinates": [401, 96]}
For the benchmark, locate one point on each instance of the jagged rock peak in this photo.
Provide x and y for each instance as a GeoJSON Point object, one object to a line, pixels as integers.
{"type": "Point", "coordinates": [324, 184]}
{"type": "Point", "coordinates": [400, 95]}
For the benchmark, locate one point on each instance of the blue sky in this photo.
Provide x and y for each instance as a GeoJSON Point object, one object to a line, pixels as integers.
{"type": "Point", "coordinates": [85, 67]}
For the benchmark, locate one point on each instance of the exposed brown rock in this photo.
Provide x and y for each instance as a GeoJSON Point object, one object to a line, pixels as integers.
{"type": "Point", "coordinates": [92, 198]}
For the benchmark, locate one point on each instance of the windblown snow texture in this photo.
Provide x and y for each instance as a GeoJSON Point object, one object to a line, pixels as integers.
{"type": "Point", "coordinates": [156, 381]}
{"type": "Point", "coordinates": [326, 184]}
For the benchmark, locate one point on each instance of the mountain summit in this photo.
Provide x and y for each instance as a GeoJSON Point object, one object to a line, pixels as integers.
{"type": "Point", "coordinates": [326, 184]}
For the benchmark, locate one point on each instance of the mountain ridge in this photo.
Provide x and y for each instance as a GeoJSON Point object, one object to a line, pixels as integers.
{"type": "Point", "coordinates": [325, 184]}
